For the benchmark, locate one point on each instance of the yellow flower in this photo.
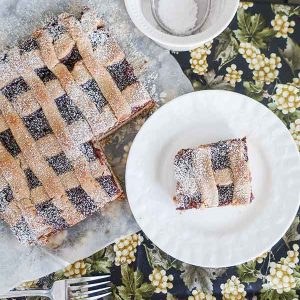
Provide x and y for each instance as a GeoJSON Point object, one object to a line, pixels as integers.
{"type": "Point", "coordinates": [292, 258]}
{"type": "Point", "coordinates": [233, 289]}
{"type": "Point", "coordinates": [126, 152]}
{"type": "Point", "coordinates": [28, 285]}
{"type": "Point", "coordinates": [261, 257]}
{"type": "Point", "coordinates": [295, 132]}
{"type": "Point", "coordinates": [198, 58]}
{"type": "Point", "coordinates": [76, 269]}
{"type": "Point", "coordinates": [281, 278]}
{"type": "Point", "coordinates": [287, 98]}
{"type": "Point", "coordinates": [282, 26]}
{"type": "Point", "coordinates": [296, 81]}
{"type": "Point", "coordinates": [126, 248]}
{"type": "Point", "coordinates": [161, 281]}
{"type": "Point", "coordinates": [138, 124]}
{"type": "Point", "coordinates": [248, 51]}
{"type": "Point", "coordinates": [245, 5]}
{"type": "Point", "coordinates": [233, 75]}
{"type": "Point", "coordinates": [265, 69]}
{"type": "Point", "coordinates": [200, 295]}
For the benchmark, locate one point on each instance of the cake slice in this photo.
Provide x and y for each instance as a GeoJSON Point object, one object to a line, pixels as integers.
{"type": "Point", "coordinates": [213, 175]}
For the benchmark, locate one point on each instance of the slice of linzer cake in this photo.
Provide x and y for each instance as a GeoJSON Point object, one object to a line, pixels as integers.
{"type": "Point", "coordinates": [60, 91]}
{"type": "Point", "coordinates": [213, 175]}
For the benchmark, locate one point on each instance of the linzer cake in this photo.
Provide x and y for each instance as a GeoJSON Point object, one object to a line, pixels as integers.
{"type": "Point", "coordinates": [62, 89]}
{"type": "Point", "coordinates": [213, 175]}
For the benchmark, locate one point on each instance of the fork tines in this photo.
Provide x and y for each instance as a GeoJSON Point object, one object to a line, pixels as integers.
{"type": "Point", "coordinates": [89, 288]}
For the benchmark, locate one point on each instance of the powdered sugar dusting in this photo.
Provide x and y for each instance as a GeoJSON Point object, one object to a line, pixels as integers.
{"type": "Point", "coordinates": [213, 175]}
{"type": "Point", "coordinates": [96, 232]}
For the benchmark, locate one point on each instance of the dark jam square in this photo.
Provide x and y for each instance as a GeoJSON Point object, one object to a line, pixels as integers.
{"type": "Point", "coordinates": [15, 88]}
{"type": "Point", "coordinates": [28, 45]}
{"type": "Point", "coordinates": [22, 231]}
{"type": "Point", "coordinates": [68, 110]}
{"type": "Point", "coordinates": [52, 215]}
{"type": "Point", "coordinates": [37, 124]}
{"type": "Point", "coordinates": [60, 163]}
{"type": "Point", "coordinates": [94, 93]}
{"type": "Point", "coordinates": [6, 196]}
{"type": "Point", "coordinates": [45, 74]}
{"type": "Point", "coordinates": [32, 180]}
{"type": "Point", "coordinates": [88, 150]}
{"type": "Point", "coordinates": [225, 194]}
{"type": "Point", "coordinates": [71, 59]}
{"type": "Point", "coordinates": [189, 202]}
{"type": "Point", "coordinates": [81, 201]}
{"type": "Point", "coordinates": [183, 162]}
{"type": "Point", "coordinates": [219, 155]}
{"type": "Point", "coordinates": [55, 30]}
{"type": "Point", "coordinates": [109, 185]}
{"type": "Point", "coordinates": [122, 73]}
{"type": "Point", "coordinates": [98, 37]}
{"type": "Point", "coordinates": [8, 141]}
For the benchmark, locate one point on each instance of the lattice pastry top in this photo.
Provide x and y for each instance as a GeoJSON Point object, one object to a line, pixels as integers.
{"type": "Point", "coordinates": [213, 175]}
{"type": "Point", "coordinates": [66, 86]}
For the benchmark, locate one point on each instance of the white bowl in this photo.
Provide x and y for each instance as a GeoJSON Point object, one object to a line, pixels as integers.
{"type": "Point", "coordinates": [220, 15]}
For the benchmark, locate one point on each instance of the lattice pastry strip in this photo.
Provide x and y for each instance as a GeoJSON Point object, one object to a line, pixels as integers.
{"type": "Point", "coordinates": [23, 209]}
{"type": "Point", "coordinates": [61, 89]}
{"type": "Point", "coordinates": [107, 51]}
{"type": "Point", "coordinates": [39, 166]}
{"type": "Point", "coordinates": [213, 175]}
{"type": "Point", "coordinates": [95, 66]}
{"type": "Point", "coordinates": [37, 191]}
{"type": "Point", "coordinates": [74, 155]}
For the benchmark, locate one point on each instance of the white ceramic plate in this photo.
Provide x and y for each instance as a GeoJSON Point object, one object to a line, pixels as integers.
{"type": "Point", "coordinates": [214, 237]}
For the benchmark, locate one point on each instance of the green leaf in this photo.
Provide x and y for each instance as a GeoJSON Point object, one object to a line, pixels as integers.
{"type": "Point", "coordinates": [158, 258]}
{"type": "Point", "coordinates": [171, 297]}
{"type": "Point", "coordinates": [273, 295]}
{"type": "Point", "coordinates": [212, 82]}
{"type": "Point", "coordinates": [288, 10]}
{"type": "Point", "coordinates": [227, 49]}
{"type": "Point", "coordinates": [110, 253]}
{"type": "Point", "coordinates": [133, 285]}
{"type": "Point", "coordinates": [251, 28]}
{"type": "Point", "coordinates": [291, 54]}
{"type": "Point", "coordinates": [292, 234]}
{"type": "Point", "coordinates": [247, 272]}
{"type": "Point", "coordinates": [114, 294]}
{"type": "Point", "coordinates": [138, 297]}
{"type": "Point", "coordinates": [254, 89]}
{"type": "Point", "coordinates": [101, 266]}
{"type": "Point", "coordinates": [199, 278]}
{"type": "Point", "coordinates": [285, 118]}
{"type": "Point", "coordinates": [280, 9]}
{"type": "Point", "coordinates": [128, 279]}
{"type": "Point", "coordinates": [146, 290]}
{"type": "Point", "coordinates": [295, 11]}
{"type": "Point", "coordinates": [98, 255]}
{"type": "Point", "coordinates": [138, 278]}
{"type": "Point", "coordinates": [123, 292]}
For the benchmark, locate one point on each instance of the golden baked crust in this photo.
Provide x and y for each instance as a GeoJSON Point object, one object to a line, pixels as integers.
{"type": "Point", "coordinates": [213, 175]}
{"type": "Point", "coordinates": [62, 89]}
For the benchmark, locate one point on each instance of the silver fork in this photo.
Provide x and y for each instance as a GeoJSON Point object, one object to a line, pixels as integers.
{"type": "Point", "coordinates": [87, 288]}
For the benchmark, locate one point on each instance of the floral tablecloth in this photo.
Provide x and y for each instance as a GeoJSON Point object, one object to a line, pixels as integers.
{"type": "Point", "coordinates": [257, 55]}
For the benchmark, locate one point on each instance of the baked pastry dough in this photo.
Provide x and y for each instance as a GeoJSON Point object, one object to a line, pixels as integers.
{"type": "Point", "coordinates": [62, 89]}
{"type": "Point", "coordinates": [213, 175]}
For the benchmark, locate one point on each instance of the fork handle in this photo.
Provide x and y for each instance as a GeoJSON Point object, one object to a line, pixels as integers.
{"type": "Point", "coordinates": [13, 294]}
